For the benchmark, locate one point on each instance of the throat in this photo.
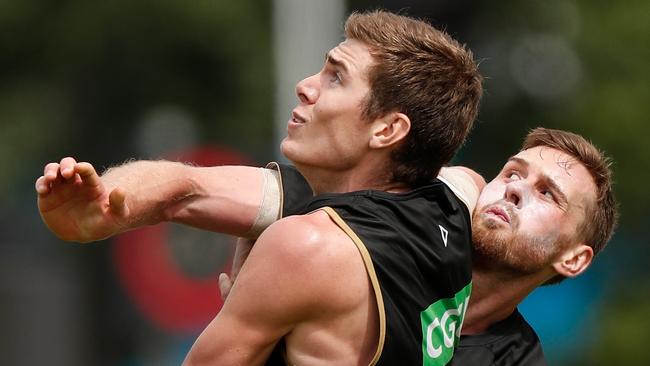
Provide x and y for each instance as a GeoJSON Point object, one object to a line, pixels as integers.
{"type": "Point", "coordinates": [495, 296]}
{"type": "Point", "coordinates": [342, 181]}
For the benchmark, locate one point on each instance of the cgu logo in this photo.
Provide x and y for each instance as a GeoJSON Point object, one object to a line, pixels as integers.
{"type": "Point", "coordinates": [441, 325]}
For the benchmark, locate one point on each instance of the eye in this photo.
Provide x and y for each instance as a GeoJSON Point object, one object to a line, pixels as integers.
{"type": "Point", "coordinates": [548, 194]}
{"type": "Point", "coordinates": [513, 175]}
{"type": "Point", "coordinates": [335, 77]}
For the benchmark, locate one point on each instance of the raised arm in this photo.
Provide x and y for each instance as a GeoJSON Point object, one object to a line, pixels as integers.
{"type": "Point", "coordinates": [79, 205]}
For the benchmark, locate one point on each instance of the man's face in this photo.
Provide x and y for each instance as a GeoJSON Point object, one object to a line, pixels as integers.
{"type": "Point", "coordinates": [326, 129]}
{"type": "Point", "coordinates": [532, 210]}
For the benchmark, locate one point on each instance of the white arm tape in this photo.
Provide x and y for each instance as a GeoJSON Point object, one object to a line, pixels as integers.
{"type": "Point", "coordinates": [269, 211]}
{"type": "Point", "coordinates": [462, 185]}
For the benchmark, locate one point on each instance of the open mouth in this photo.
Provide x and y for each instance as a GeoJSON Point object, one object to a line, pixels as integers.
{"type": "Point", "coordinates": [297, 118]}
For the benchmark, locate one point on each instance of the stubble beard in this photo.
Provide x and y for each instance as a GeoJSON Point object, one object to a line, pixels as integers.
{"type": "Point", "coordinates": [504, 249]}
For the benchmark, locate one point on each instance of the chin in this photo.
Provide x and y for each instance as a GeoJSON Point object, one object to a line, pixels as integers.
{"type": "Point", "coordinates": [291, 151]}
{"type": "Point", "coordinates": [504, 250]}
{"type": "Point", "coordinates": [285, 148]}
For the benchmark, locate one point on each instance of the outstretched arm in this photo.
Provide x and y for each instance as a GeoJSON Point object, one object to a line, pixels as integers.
{"type": "Point", "coordinates": [465, 182]}
{"type": "Point", "coordinates": [79, 205]}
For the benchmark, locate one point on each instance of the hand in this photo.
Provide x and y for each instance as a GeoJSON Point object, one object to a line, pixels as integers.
{"type": "Point", "coordinates": [242, 249]}
{"type": "Point", "coordinates": [76, 205]}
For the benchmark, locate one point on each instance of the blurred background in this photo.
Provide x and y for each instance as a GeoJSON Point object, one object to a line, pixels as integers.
{"type": "Point", "coordinates": [211, 82]}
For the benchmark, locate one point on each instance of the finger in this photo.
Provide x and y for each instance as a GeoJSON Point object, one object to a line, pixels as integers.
{"type": "Point", "coordinates": [68, 167]}
{"type": "Point", "coordinates": [225, 284]}
{"type": "Point", "coordinates": [42, 188]}
{"type": "Point", "coordinates": [88, 174]}
{"type": "Point", "coordinates": [50, 172]}
{"type": "Point", "coordinates": [117, 202]}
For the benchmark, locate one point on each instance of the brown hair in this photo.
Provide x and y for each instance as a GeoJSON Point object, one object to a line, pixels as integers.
{"type": "Point", "coordinates": [425, 74]}
{"type": "Point", "coordinates": [601, 216]}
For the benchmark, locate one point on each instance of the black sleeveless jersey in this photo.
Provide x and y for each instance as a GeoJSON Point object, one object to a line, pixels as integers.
{"type": "Point", "coordinates": [510, 342]}
{"type": "Point", "coordinates": [416, 247]}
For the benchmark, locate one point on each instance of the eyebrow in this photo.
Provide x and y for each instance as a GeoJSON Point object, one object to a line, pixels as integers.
{"type": "Point", "coordinates": [548, 181]}
{"type": "Point", "coordinates": [336, 62]}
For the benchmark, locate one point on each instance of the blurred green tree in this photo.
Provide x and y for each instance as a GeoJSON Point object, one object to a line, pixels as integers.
{"type": "Point", "coordinates": [78, 75]}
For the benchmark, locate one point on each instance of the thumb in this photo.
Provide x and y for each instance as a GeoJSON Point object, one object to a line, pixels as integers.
{"type": "Point", "coordinates": [225, 284]}
{"type": "Point", "coordinates": [117, 202]}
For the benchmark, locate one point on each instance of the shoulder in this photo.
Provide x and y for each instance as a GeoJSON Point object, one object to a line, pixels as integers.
{"type": "Point", "coordinates": [304, 236]}
{"type": "Point", "coordinates": [308, 234]}
{"type": "Point", "coordinates": [312, 252]}
{"type": "Point", "coordinates": [464, 182]}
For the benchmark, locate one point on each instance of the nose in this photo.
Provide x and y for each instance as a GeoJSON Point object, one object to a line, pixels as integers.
{"type": "Point", "coordinates": [515, 192]}
{"type": "Point", "coordinates": [307, 90]}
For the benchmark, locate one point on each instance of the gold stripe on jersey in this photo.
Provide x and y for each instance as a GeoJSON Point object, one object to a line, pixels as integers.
{"type": "Point", "coordinates": [365, 255]}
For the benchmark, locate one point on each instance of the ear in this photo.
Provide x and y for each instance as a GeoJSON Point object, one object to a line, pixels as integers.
{"type": "Point", "coordinates": [574, 261]}
{"type": "Point", "coordinates": [389, 130]}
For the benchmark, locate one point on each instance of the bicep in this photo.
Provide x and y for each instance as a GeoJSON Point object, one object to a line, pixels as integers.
{"type": "Point", "coordinates": [265, 303]}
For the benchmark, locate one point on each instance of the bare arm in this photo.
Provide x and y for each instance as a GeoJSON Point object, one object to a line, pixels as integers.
{"type": "Point", "coordinates": [286, 281]}
{"type": "Point", "coordinates": [79, 205]}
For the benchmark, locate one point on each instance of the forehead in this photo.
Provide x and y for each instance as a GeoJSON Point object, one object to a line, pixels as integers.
{"type": "Point", "coordinates": [353, 54]}
{"type": "Point", "coordinates": [568, 173]}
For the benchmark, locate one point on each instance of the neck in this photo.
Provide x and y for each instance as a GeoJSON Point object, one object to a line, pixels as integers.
{"type": "Point", "coordinates": [495, 296]}
{"type": "Point", "coordinates": [359, 177]}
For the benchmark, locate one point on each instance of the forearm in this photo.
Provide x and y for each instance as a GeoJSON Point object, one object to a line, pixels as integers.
{"type": "Point", "coordinates": [224, 199]}
{"type": "Point", "coordinates": [151, 188]}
